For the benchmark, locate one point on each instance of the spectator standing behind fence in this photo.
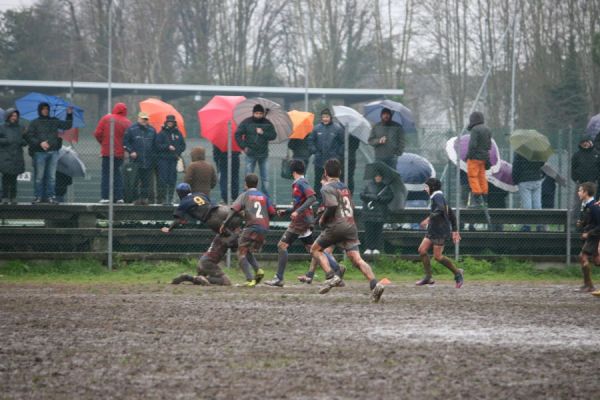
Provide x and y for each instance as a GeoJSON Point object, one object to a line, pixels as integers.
{"type": "Point", "coordinates": [300, 150]}
{"type": "Point", "coordinates": [528, 176]}
{"type": "Point", "coordinates": [200, 174]}
{"type": "Point", "coordinates": [139, 143]}
{"type": "Point", "coordinates": [376, 195]}
{"type": "Point", "coordinates": [169, 144]}
{"type": "Point", "coordinates": [353, 145]}
{"type": "Point", "coordinates": [44, 143]}
{"type": "Point", "coordinates": [387, 137]}
{"type": "Point", "coordinates": [585, 167]}
{"type": "Point", "coordinates": [253, 135]}
{"type": "Point", "coordinates": [326, 141]}
{"type": "Point", "coordinates": [478, 157]}
{"type": "Point", "coordinates": [102, 135]}
{"type": "Point", "coordinates": [220, 158]}
{"type": "Point", "coordinates": [12, 162]}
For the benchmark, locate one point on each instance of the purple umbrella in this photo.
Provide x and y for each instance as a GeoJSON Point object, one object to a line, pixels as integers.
{"type": "Point", "coordinates": [593, 127]}
{"type": "Point", "coordinates": [464, 146]}
{"type": "Point", "coordinates": [503, 177]}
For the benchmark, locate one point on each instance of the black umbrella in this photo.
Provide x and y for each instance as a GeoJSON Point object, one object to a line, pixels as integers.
{"type": "Point", "coordinates": [392, 180]}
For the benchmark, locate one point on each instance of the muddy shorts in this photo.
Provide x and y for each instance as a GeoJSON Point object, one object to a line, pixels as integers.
{"type": "Point", "coordinates": [344, 238]}
{"type": "Point", "coordinates": [436, 240]}
{"type": "Point", "coordinates": [290, 236]}
{"type": "Point", "coordinates": [590, 246]}
{"type": "Point", "coordinates": [251, 240]}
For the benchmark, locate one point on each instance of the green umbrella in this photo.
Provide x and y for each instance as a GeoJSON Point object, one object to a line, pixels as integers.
{"type": "Point", "coordinates": [531, 144]}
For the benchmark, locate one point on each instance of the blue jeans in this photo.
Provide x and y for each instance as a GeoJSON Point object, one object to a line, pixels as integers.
{"type": "Point", "coordinates": [118, 181]}
{"type": "Point", "coordinates": [531, 195]}
{"type": "Point", "coordinates": [263, 167]}
{"type": "Point", "coordinates": [44, 173]}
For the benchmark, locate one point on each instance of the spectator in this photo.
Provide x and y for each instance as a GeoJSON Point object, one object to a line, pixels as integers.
{"type": "Point", "coordinates": [253, 136]}
{"type": "Point", "coordinates": [387, 137]}
{"type": "Point", "coordinates": [353, 145]}
{"type": "Point", "coordinates": [220, 158]}
{"type": "Point", "coordinates": [376, 195]}
{"type": "Point", "coordinates": [102, 135]}
{"type": "Point", "coordinates": [585, 166]}
{"type": "Point", "coordinates": [12, 162]}
{"type": "Point", "coordinates": [63, 182]}
{"type": "Point", "coordinates": [300, 150]}
{"type": "Point", "coordinates": [548, 191]}
{"type": "Point", "coordinates": [478, 157]}
{"type": "Point", "coordinates": [528, 176]}
{"type": "Point", "coordinates": [169, 145]}
{"type": "Point", "coordinates": [326, 141]}
{"type": "Point", "coordinates": [44, 143]}
{"type": "Point", "coordinates": [139, 143]}
{"type": "Point", "coordinates": [200, 174]}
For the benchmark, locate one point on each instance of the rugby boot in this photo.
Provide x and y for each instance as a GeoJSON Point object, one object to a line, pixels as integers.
{"type": "Point", "coordinates": [259, 275]}
{"type": "Point", "coordinates": [330, 283]}
{"type": "Point", "coordinates": [182, 278]}
{"type": "Point", "coordinates": [425, 281]}
{"type": "Point", "coordinates": [274, 282]}
{"type": "Point", "coordinates": [305, 279]}
{"type": "Point", "coordinates": [459, 278]}
{"type": "Point", "coordinates": [249, 284]}
{"type": "Point", "coordinates": [377, 292]}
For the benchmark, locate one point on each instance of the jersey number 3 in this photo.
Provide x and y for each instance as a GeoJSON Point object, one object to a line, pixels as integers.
{"type": "Point", "coordinates": [346, 208]}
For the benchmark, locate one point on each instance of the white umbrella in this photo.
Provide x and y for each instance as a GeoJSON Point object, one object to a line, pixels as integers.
{"type": "Point", "coordinates": [273, 112]}
{"type": "Point", "coordinates": [353, 121]}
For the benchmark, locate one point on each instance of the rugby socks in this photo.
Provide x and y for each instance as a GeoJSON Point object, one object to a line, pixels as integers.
{"type": "Point", "coordinates": [445, 261]}
{"type": "Point", "coordinates": [310, 274]}
{"type": "Point", "coordinates": [245, 266]}
{"type": "Point", "coordinates": [373, 283]}
{"type": "Point", "coordinates": [586, 269]}
{"type": "Point", "coordinates": [332, 263]}
{"type": "Point", "coordinates": [426, 265]}
{"type": "Point", "coordinates": [252, 261]}
{"type": "Point", "coordinates": [281, 263]}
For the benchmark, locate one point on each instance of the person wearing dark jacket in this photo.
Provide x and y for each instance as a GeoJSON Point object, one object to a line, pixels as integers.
{"type": "Point", "coordinates": [139, 143]}
{"type": "Point", "coordinates": [387, 137]}
{"type": "Point", "coordinates": [353, 145]}
{"type": "Point", "coordinates": [12, 162]}
{"type": "Point", "coordinates": [253, 136]}
{"type": "Point", "coordinates": [376, 195]}
{"type": "Point", "coordinates": [441, 225]}
{"type": "Point", "coordinates": [300, 150]}
{"type": "Point", "coordinates": [102, 135]}
{"type": "Point", "coordinates": [169, 144]}
{"type": "Point", "coordinates": [200, 174]}
{"type": "Point", "coordinates": [220, 158]}
{"type": "Point", "coordinates": [326, 141]}
{"type": "Point", "coordinates": [478, 156]}
{"type": "Point", "coordinates": [585, 163]}
{"type": "Point", "coordinates": [44, 143]}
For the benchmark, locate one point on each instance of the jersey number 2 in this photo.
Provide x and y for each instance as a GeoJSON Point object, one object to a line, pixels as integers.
{"type": "Point", "coordinates": [258, 208]}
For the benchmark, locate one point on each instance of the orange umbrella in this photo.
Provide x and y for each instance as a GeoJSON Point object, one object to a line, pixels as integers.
{"type": "Point", "coordinates": [303, 123]}
{"type": "Point", "coordinates": [158, 111]}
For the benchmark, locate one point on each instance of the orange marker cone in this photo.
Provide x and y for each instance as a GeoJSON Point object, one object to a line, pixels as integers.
{"type": "Point", "coordinates": [385, 281]}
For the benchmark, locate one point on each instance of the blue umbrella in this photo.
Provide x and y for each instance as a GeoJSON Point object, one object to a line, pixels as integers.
{"type": "Point", "coordinates": [400, 113]}
{"type": "Point", "coordinates": [414, 170]}
{"type": "Point", "coordinates": [2, 115]}
{"type": "Point", "coordinates": [28, 107]}
{"type": "Point", "coordinates": [593, 127]}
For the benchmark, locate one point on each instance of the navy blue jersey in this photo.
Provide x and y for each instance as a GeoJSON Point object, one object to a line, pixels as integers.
{"type": "Point", "coordinates": [441, 220]}
{"type": "Point", "coordinates": [196, 205]}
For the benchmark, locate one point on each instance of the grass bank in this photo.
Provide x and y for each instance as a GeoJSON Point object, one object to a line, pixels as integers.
{"type": "Point", "coordinates": [93, 272]}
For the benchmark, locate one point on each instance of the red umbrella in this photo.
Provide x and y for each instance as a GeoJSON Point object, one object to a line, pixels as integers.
{"type": "Point", "coordinates": [214, 117]}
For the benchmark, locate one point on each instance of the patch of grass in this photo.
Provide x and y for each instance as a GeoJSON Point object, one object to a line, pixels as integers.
{"type": "Point", "coordinates": [398, 270]}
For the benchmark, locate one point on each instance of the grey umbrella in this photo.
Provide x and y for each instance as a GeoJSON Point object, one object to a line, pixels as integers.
{"type": "Point", "coordinates": [273, 112]}
{"type": "Point", "coordinates": [355, 124]}
{"type": "Point", "coordinates": [69, 163]}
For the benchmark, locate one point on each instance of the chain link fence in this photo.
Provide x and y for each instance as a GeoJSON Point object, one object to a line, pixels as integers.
{"type": "Point", "coordinates": [79, 224]}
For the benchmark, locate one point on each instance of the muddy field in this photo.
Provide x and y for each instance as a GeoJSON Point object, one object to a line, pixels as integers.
{"type": "Point", "coordinates": [185, 342]}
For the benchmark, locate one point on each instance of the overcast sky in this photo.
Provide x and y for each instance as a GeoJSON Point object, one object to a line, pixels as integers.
{"type": "Point", "coordinates": [6, 4]}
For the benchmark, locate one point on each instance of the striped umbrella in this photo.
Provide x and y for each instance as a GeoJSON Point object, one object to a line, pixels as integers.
{"type": "Point", "coordinates": [273, 112]}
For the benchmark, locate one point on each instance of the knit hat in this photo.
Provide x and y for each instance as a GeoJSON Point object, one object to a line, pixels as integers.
{"type": "Point", "coordinates": [326, 111]}
{"type": "Point", "coordinates": [258, 108]}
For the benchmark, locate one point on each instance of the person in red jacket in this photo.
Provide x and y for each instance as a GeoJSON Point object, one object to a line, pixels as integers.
{"type": "Point", "coordinates": [102, 134]}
